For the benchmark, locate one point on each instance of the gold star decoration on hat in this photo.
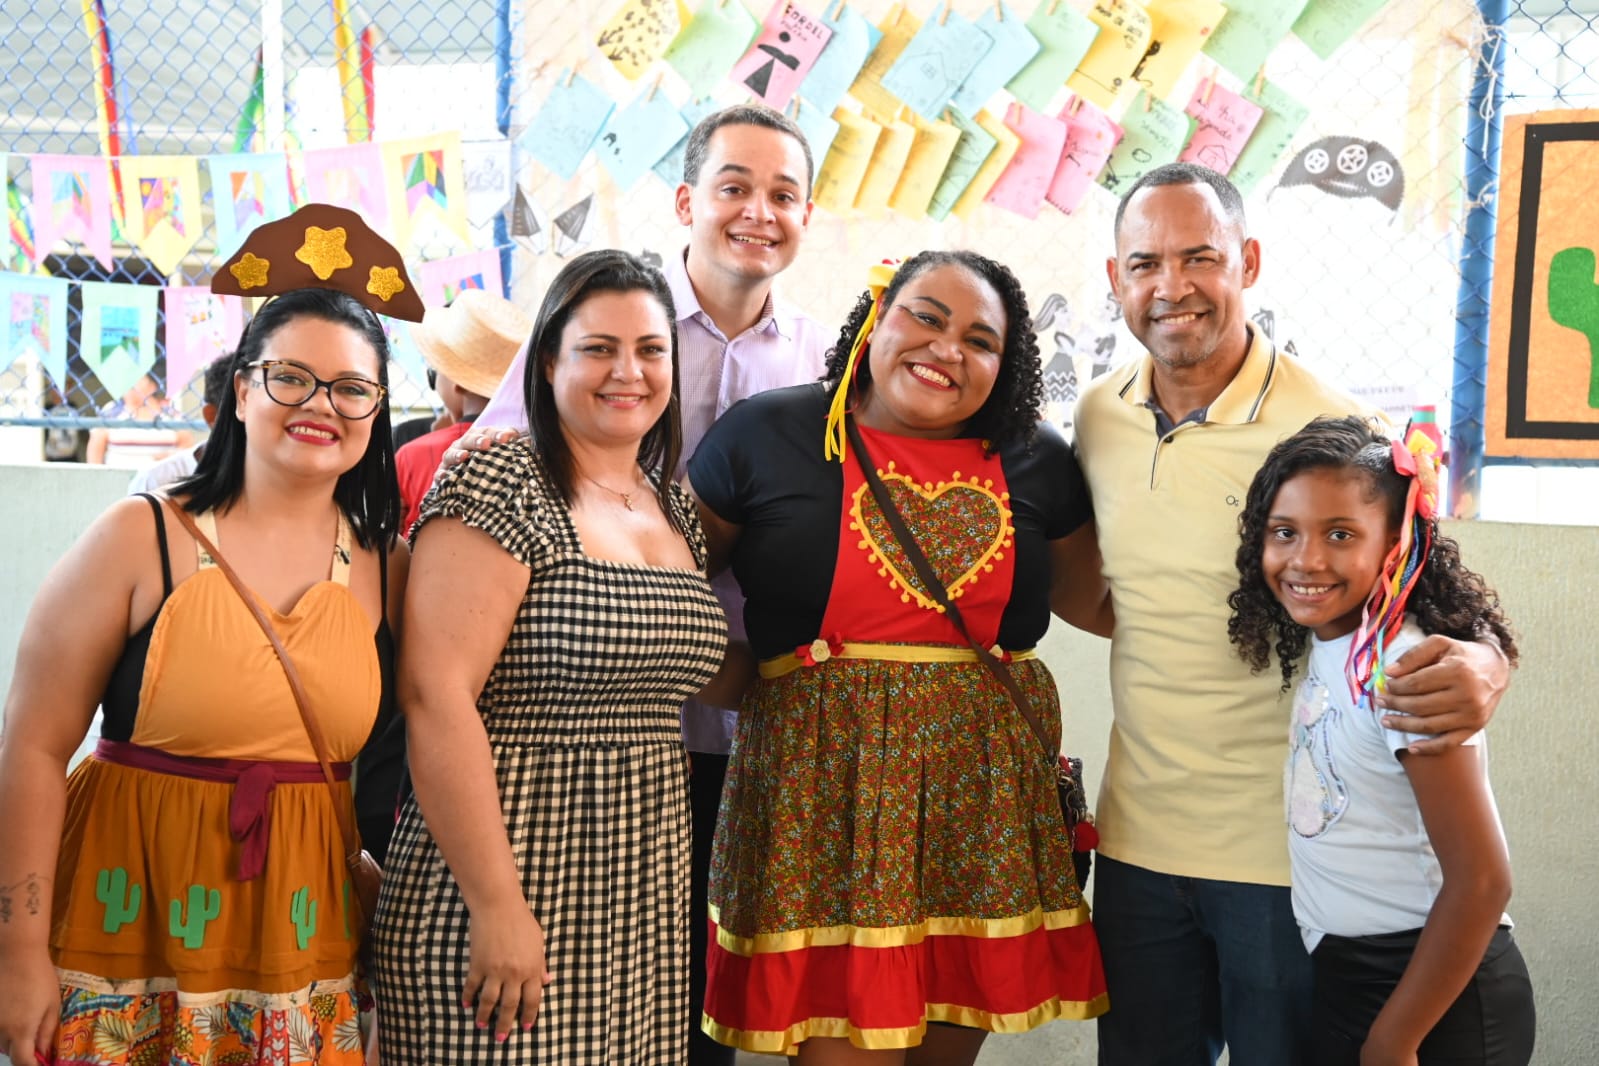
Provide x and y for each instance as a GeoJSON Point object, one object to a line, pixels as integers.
{"type": "Point", "coordinates": [384, 282]}
{"type": "Point", "coordinates": [324, 251]}
{"type": "Point", "coordinates": [251, 271]}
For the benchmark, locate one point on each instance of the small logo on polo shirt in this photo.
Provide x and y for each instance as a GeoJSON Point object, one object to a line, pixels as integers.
{"type": "Point", "coordinates": [1232, 501]}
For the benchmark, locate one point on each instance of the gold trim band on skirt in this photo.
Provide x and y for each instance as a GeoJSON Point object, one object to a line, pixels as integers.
{"type": "Point", "coordinates": [896, 935]}
{"type": "Point", "coordinates": [821, 652]}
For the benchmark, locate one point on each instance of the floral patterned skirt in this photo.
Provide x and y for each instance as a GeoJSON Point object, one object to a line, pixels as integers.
{"type": "Point", "coordinates": [891, 852]}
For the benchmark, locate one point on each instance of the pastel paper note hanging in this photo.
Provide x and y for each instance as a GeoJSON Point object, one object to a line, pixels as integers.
{"type": "Point", "coordinates": [117, 336]}
{"type": "Point", "coordinates": [440, 281]}
{"type": "Point", "coordinates": [426, 183]}
{"type": "Point", "coordinates": [568, 124]}
{"type": "Point", "coordinates": [930, 153]}
{"type": "Point", "coordinates": [161, 208]}
{"type": "Point", "coordinates": [1180, 29]}
{"type": "Point", "coordinates": [1152, 136]}
{"type": "Point", "coordinates": [818, 126]}
{"type": "Point", "coordinates": [247, 189]}
{"type": "Point", "coordinates": [976, 144]}
{"type": "Point", "coordinates": [1006, 145]}
{"type": "Point", "coordinates": [1124, 33]}
{"type": "Point", "coordinates": [669, 168]}
{"type": "Point", "coordinates": [1223, 124]}
{"type": "Point", "coordinates": [1023, 184]}
{"type": "Point", "coordinates": [200, 326]}
{"type": "Point", "coordinates": [936, 61]}
{"type": "Point", "coordinates": [1013, 48]}
{"type": "Point", "coordinates": [351, 177]}
{"type": "Point", "coordinates": [1091, 136]}
{"type": "Point", "coordinates": [887, 164]}
{"type": "Point", "coordinates": [840, 176]}
{"type": "Point", "coordinates": [639, 34]}
{"type": "Point", "coordinates": [836, 68]}
{"type": "Point", "coordinates": [486, 171]}
{"type": "Point", "coordinates": [637, 136]}
{"type": "Point", "coordinates": [1325, 25]}
{"type": "Point", "coordinates": [1248, 34]}
{"type": "Point", "coordinates": [35, 323]}
{"type": "Point", "coordinates": [1280, 118]}
{"type": "Point", "coordinates": [713, 40]}
{"type": "Point", "coordinates": [1064, 36]}
{"type": "Point", "coordinates": [72, 201]}
{"type": "Point", "coordinates": [897, 28]}
{"type": "Point", "coordinates": [781, 57]}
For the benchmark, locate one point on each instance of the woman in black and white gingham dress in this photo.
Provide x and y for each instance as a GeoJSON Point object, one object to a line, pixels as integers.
{"type": "Point", "coordinates": [581, 712]}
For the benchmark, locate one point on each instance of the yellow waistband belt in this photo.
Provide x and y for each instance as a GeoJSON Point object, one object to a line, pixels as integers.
{"type": "Point", "coordinates": [820, 652]}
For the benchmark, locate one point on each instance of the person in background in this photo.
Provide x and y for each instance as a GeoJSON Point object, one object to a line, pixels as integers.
{"type": "Point", "coordinates": [215, 379]}
{"type": "Point", "coordinates": [745, 198]}
{"type": "Point", "coordinates": [469, 346]}
{"type": "Point", "coordinates": [142, 440]}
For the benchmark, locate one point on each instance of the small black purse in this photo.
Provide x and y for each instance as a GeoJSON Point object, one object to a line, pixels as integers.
{"type": "Point", "coordinates": [1068, 771]}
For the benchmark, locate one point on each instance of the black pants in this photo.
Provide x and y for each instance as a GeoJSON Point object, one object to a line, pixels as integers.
{"type": "Point", "coordinates": [1491, 1024]}
{"type": "Point", "coordinates": [705, 797]}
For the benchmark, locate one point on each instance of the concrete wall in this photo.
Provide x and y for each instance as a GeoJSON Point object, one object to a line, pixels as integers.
{"type": "Point", "coordinates": [1545, 750]}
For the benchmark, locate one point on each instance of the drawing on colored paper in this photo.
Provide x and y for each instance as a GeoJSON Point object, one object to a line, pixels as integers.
{"type": "Point", "coordinates": [1350, 168]}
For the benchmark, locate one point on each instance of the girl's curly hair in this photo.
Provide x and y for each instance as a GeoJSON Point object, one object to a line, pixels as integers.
{"type": "Point", "coordinates": [1448, 598]}
{"type": "Point", "coordinates": [1013, 408]}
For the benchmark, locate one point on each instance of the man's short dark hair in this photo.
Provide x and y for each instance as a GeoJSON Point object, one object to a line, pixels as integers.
{"type": "Point", "coordinates": [216, 379]}
{"type": "Point", "coordinates": [1187, 174]}
{"type": "Point", "coordinates": [699, 141]}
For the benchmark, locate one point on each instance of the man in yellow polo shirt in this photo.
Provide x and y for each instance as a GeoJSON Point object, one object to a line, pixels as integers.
{"type": "Point", "coordinates": [1191, 902]}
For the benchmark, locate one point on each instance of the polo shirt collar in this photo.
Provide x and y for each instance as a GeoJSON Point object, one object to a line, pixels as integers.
{"type": "Point", "coordinates": [775, 314]}
{"type": "Point", "coordinates": [1239, 403]}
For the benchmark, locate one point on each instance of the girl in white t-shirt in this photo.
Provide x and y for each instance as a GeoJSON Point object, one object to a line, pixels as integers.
{"type": "Point", "coordinates": [1400, 873]}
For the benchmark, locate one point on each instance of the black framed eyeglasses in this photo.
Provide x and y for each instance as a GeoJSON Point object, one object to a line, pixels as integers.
{"type": "Point", "coordinates": [291, 385]}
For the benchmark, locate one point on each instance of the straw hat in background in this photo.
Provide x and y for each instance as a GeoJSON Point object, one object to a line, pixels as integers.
{"type": "Point", "coordinates": [473, 340]}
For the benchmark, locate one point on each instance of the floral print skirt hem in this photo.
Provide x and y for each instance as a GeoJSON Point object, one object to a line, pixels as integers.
{"type": "Point", "coordinates": [152, 1023]}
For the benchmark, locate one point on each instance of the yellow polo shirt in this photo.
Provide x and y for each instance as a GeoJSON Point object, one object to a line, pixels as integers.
{"type": "Point", "coordinates": [1194, 781]}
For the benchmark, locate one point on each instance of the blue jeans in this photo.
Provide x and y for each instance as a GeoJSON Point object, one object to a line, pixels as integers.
{"type": "Point", "coordinates": [1192, 965]}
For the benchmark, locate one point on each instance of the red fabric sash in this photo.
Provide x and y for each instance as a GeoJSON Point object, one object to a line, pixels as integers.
{"type": "Point", "coordinates": [250, 810]}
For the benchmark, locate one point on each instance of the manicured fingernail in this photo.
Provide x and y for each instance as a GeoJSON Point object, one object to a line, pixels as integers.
{"type": "Point", "coordinates": [499, 1038]}
{"type": "Point", "coordinates": [482, 1025]}
{"type": "Point", "coordinates": [527, 1027]}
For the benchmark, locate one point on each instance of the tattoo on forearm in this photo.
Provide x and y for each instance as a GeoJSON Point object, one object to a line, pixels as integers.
{"type": "Point", "coordinates": [31, 892]}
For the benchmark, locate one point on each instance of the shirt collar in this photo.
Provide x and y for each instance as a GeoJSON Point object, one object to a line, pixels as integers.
{"type": "Point", "coordinates": [1239, 402]}
{"type": "Point", "coordinates": [775, 313]}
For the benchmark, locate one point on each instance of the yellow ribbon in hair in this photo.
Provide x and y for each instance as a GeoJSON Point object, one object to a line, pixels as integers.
{"type": "Point", "coordinates": [877, 281]}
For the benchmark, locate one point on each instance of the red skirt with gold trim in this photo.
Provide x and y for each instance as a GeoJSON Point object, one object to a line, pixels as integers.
{"type": "Point", "coordinates": [891, 852]}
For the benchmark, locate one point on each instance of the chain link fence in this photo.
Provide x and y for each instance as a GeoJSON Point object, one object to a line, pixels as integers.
{"type": "Point", "coordinates": [1364, 286]}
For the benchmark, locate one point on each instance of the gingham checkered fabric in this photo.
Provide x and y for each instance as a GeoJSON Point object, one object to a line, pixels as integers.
{"type": "Point", "coordinates": [581, 712]}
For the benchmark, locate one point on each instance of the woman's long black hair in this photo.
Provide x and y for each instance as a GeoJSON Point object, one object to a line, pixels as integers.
{"type": "Point", "coordinates": [1448, 599]}
{"type": "Point", "coordinates": [369, 492]}
{"type": "Point", "coordinates": [1013, 408]}
{"type": "Point", "coordinates": [591, 273]}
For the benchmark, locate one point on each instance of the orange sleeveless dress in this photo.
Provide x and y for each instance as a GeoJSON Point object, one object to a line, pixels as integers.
{"type": "Point", "coordinates": [199, 919]}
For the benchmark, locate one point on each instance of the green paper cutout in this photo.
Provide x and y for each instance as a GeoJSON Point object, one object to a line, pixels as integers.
{"type": "Point", "coordinates": [303, 911]}
{"type": "Point", "coordinates": [1064, 37]}
{"type": "Point", "coordinates": [1242, 41]}
{"type": "Point", "coordinates": [1327, 24]}
{"type": "Point", "coordinates": [1281, 116]}
{"type": "Point", "coordinates": [971, 152]}
{"type": "Point", "coordinates": [204, 906]}
{"type": "Point", "coordinates": [1574, 303]}
{"type": "Point", "coordinates": [111, 888]}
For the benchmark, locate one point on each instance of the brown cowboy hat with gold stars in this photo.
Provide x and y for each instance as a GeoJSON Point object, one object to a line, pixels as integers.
{"type": "Point", "coordinates": [325, 247]}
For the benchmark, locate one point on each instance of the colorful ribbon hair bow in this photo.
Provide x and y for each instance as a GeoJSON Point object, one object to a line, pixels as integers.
{"type": "Point", "coordinates": [1384, 613]}
{"type": "Point", "coordinates": [878, 279]}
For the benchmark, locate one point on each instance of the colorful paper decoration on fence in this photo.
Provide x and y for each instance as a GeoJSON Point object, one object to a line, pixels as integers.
{"type": "Point", "coordinates": [889, 154]}
{"type": "Point", "coordinates": [1153, 133]}
{"type": "Point", "coordinates": [5, 200]}
{"type": "Point", "coordinates": [711, 43]}
{"type": "Point", "coordinates": [247, 189]}
{"type": "Point", "coordinates": [637, 136]}
{"type": "Point", "coordinates": [897, 29]}
{"type": "Point", "coordinates": [1012, 49]}
{"type": "Point", "coordinates": [1250, 31]}
{"type": "Point", "coordinates": [72, 201]}
{"type": "Point", "coordinates": [972, 150]}
{"type": "Point", "coordinates": [1006, 145]}
{"type": "Point", "coordinates": [568, 124]}
{"type": "Point", "coordinates": [529, 225]}
{"type": "Point", "coordinates": [639, 33]}
{"type": "Point", "coordinates": [161, 212]}
{"type": "Point", "coordinates": [117, 336]}
{"type": "Point", "coordinates": [486, 172]}
{"type": "Point", "coordinates": [1179, 29]}
{"type": "Point", "coordinates": [1064, 36]}
{"type": "Point", "coordinates": [573, 226]}
{"type": "Point", "coordinates": [936, 61]}
{"type": "Point", "coordinates": [1325, 25]}
{"type": "Point", "coordinates": [1543, 362]}
{"type": "Point", "coordinates": [783, 54]}
{"type": "Point", "coordinates": [1022, 186]}
{"type": "Point", "coordinates": [818, 126]}
{"type": "Point", "coordinates": [426, 183]}
{"type": "Point", "coordinates": [1349, 168]}
{"type": "Point", "coordinates": [35, 323]}
{"type": "Point", "coordinates": [930, 154]}
{"type": "Point", "coordinates": [1118, 48]}
{"type": "Point", "coordinates": [839, 178]}
{"type": "Point", "coordinates": [1280, 118]}
{"type": "Point", "coordinates": [841, 61]}
{"type": "Point", "coordinates": [669, 168]}
{"type": "Point", "coordinates": [440, 281]}
{"type": "Point", "coordinates": [350, 177]}
{"type": "Point", "coordinates": [1224, 122]}
{"type": "Point", "coordinates": [201, 326]}
{"type": "Point", "coordinates": [1091, 136]}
